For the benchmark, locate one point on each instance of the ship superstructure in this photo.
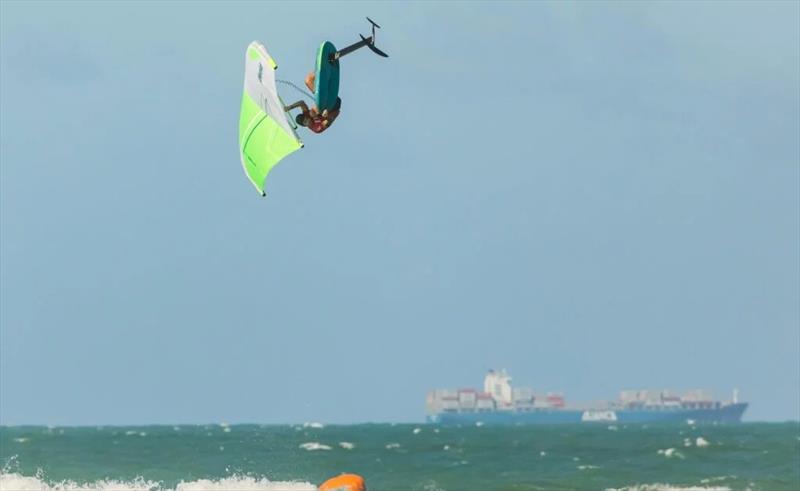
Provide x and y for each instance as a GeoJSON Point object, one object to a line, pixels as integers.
{"type": "Point", "coordinates": [501, 403]}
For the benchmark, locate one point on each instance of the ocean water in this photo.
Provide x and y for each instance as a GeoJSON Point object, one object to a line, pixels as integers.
{"type": "Point", "coordinates": [403, 457]}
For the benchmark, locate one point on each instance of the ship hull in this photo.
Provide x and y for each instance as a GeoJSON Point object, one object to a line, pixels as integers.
{"type": "Point", "coordinates": [729, 413]}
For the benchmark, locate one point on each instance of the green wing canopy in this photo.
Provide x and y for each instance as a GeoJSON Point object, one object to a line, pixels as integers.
{"type": "Point", "coordinates": [266, 134]}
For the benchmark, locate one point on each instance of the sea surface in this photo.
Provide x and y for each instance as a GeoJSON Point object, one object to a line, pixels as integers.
{"type": "Point", "coordinates": [220, 457]}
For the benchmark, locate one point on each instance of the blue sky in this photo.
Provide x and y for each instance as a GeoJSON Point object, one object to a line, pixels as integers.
{"type": "Point", "coordinates": [593, 196]}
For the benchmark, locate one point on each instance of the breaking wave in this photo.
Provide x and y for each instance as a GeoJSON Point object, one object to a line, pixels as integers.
{"type": "Point", "coordinates": [668, 487]}
{"type": "Point", "coordinates": [17, 482]}
{"type": "Point", "coordinates": [315, 446]}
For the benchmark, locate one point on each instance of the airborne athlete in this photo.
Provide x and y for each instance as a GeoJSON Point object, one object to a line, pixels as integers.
{"type": "Point", "coordinates": [324, 84]}
{"type": "Point", "coordinates": [267, 131]}
{"type": "Point", "coordinates": [311, 118]}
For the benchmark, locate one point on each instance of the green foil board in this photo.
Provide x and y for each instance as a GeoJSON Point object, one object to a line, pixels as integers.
{"type": "Point", "coordinates": [326, 85]}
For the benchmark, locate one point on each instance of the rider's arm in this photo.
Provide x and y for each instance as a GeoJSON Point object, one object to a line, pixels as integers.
{"type": "Point", "coordinates": [301, 104]}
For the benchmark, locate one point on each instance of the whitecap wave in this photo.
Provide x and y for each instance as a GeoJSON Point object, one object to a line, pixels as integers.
{"type": "Point", "coordinates": [671, 452]}
{"type": "Point", "coordinates": [311, 446]}
{"type": "Point", "coordinates": [237, 483]}
{"type": "Point", "coordinates": [18, 482]}
{"type": "Point", "coordinates": [668, 487]}
{"type": "Point", "coordinates": [717, 479]}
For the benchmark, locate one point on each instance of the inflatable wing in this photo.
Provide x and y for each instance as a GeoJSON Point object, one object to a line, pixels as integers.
{"type": "Point", "coordinates": [266, 134]}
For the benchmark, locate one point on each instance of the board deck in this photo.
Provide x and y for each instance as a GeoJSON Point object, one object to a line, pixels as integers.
{"type": "Point", "coordinates": [326, 85]}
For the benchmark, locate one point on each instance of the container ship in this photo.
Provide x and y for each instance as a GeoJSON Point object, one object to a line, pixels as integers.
{"type": "Point", "coordinates": [500, 403]}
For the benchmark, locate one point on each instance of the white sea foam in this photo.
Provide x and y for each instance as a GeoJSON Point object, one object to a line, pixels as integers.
{"type": "Point", "coordinates": [668, 487]}
{"type": "Point", "coordinates": [671, 452]}
{"type": "Point", "coordinates": [17, 482]}
{"type": "Point", "coordinates": [310, 446]}
{"type": "Point", "coordinates": [417, 431]}
{"type": "Point", "coordinates": [313, 425]}
{"type": "Point", "coordinates": [430, 486]}
{"type": "Point", "coordinates": [347, 445]}
{"type": "Point", "coordinates": [701, 442]}
{"type": "Point", "coordinates": [21, 440]}
{"type": "Point", "coordinates": [687, 442]}
{"type": "Point", "coordinates": [237, 483]}
{"type": "Point", "coordinates": [390, 446]}
{"type": "Point", "coordinates": [588, 467]}
{"type": "Point", "coordinates": [479, 423]}
{"type": "Point", "coordinates": [717, 479]}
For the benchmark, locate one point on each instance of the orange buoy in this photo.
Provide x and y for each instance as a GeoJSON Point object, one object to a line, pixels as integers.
{"type": "Point", "coordinates": [345, 482]}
